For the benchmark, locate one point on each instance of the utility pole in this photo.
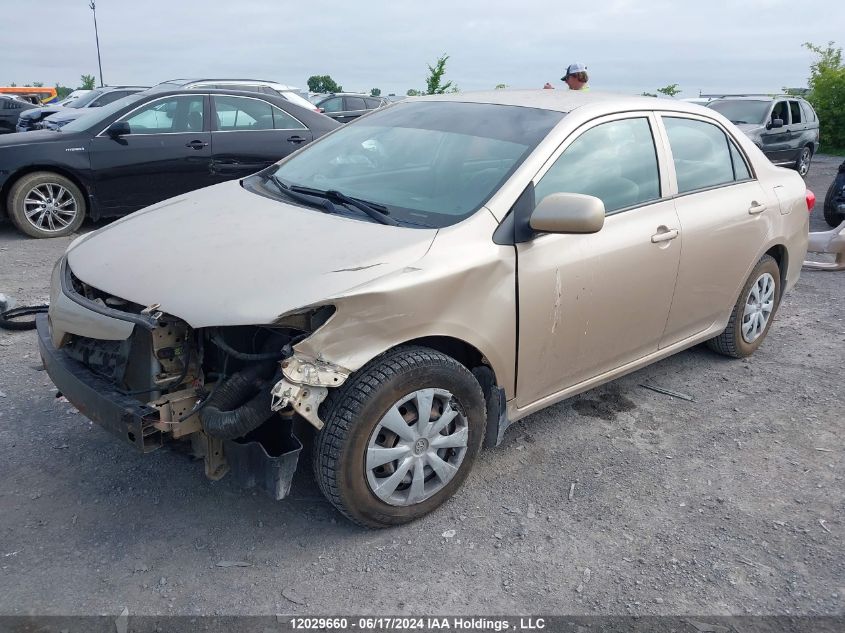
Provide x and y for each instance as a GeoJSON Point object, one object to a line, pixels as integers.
{"type": "Point", "coordinates": [97, 36]}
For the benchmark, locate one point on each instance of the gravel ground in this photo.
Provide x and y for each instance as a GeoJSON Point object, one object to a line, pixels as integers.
{"type": "Point", "coordinates": [731, 504]}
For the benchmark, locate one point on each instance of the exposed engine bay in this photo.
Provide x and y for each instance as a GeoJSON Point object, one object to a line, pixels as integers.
{"type": "Point", "coordinates": [231, 392]}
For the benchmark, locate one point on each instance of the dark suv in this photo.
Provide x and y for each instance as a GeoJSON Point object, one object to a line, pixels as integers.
{"type": "Point", "coordinates": [34, 119]}
{"type": "Point", "coordinates": [346, 106]}
{"type": "Point", "coordinates": [786, 128]}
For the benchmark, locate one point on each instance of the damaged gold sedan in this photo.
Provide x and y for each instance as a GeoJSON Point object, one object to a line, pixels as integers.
{"type": "Point", "coordinates": [409, 285]}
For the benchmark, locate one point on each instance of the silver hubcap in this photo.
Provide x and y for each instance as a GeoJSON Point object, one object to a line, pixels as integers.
{"type": "Point", "coordinates": [50, 207]}
{"type": "Point", "coordinates": [804, 164]}
{"type": "Point", "coordinates": [758, 308]}
{"type": "Point", "coordinates": [417, 447]}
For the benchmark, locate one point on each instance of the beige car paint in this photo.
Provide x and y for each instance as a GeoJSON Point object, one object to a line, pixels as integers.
{"type": "Point", "coordinates": [585, 316]}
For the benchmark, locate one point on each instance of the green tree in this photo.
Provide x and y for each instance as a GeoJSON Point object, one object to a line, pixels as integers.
{"type": "Point", "coordinates": [648, 94]}
{"type": "Point", "coordinates": [501, 86]}
{"type": "Point", "coordinates": [36, 84]}
{"type": "Point", "coordinates": [62, 92]}
{"type": "Point", "coordinates": [13, 85]}
{"type": "Point", "coordinates": [434, 83]}
{"type": "Point", "coordinates": [323, 83]}
{"type": "Point", "coordinates": [375, 92]}
{"type": "Point", "coordinates": [87, 82]}
{"type": "Point", "coordinates": [414, 92]}
{"type": "Point", "coordinates": [827, 92]}
{"type": "Point", "coordinates": [670, 91]}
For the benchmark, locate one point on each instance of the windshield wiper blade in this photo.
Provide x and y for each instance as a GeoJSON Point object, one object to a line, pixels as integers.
{"type": "Point", "coordinates": [320, 201]}
{"type": "Point", "coordinates": [376, 211]}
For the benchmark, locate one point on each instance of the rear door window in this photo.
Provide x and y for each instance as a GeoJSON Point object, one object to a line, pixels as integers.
{"type": "Point", "coordinates": [284, 121]}
{"type": "Point", "coordinates": [242, 113]}
{"type": "Point", "coordinates": [795, 111]}
{"type": "Point", "coordinates": [355, 103]}
{"type": "Point", "coordinates": [807, 111]}
{"type": "Point", "coordinates": [701, 153]}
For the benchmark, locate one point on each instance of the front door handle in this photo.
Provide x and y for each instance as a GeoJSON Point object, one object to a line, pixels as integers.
{"type": "Point", "coordinates": [296, 139]}
{"type": "Point", "coordinates": [664, 235]}
{"type": "Point", "coordinates": [196, 145]}
{"type": "Point", "coordinates": [756, 208]}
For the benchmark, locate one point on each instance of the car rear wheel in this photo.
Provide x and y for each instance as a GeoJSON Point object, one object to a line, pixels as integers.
{"type": "Point", "coordinates": [832, 215]}
{"type": "Point", "coordinates": [45, 204]}
{"type": "Point", "coordinates": [802, 164]}
{"type": "Point", "coordinates": [400, 437]}
{"type": "Point", "coordinates": [753, 312]}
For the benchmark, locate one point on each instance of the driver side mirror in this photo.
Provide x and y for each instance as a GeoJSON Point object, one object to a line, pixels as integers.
{"type": "Point", "coordinates": [118, 129]}
{"type": "Point", "coordinates": [568, 213]}
{"type": "Point", "coordinates": [775, 123]}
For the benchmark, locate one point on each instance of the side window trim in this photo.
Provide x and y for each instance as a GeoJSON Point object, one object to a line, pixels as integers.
{"type": "Point", "coordinates": [663, 165]}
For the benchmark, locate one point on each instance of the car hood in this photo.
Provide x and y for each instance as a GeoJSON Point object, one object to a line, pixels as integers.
{"type": "Point", "coordinates": [40, 111]}
{"type": "Point", "coordinates": [225, 256]}
{"type": "Point", "coordinates": [69, 114]}
{"type": "Point", "coordinates": [39, 136]}
{"type": "Point", "coordinates": [750, 129]}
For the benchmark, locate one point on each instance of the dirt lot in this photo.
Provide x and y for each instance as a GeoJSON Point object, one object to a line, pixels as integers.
{"type": "Point", "coordinates": [731, 504]}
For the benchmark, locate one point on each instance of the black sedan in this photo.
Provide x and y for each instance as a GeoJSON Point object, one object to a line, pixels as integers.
{"type": "Point", "coordinates": [145, 148]}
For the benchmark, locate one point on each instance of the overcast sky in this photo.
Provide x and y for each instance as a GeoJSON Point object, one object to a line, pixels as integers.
{"type": "Point", "coordinates": [627, 45]}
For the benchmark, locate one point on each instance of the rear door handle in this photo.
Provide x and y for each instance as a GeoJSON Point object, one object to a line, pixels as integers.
{"type": "Point", "coordinates": [196, 145]}
{"type": "Point", "coordinates": [756, 208]}
{"type": "Point", "coordinates": [664, 236]}
{"type": "Point", "coordinates": [296, 139]}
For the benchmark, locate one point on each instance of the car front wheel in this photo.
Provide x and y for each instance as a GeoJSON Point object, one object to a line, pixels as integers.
{"type": "Point", "coordinates": [753, 312]}
{"type": "Point", "coordinates": [400, 437]}
{"type": "Point", "coordinates": [45, 204]}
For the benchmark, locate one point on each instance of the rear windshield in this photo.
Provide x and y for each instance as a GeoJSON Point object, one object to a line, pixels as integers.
{"type": "Point", "coordinates": [742, 112]}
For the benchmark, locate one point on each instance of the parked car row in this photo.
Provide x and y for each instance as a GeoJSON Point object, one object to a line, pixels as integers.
{"type": "Point", "coordinates": [36, 118]}
{"type": "Point", "coordinates": [144, 148]}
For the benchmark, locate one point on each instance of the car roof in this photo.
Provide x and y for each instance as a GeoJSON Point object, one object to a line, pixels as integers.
{"type": "Point", "coordinates": [349, 94]}
{"type": "Point", "coordinates": [267, 82]}
{"type": "Point", "coordinates": [760, 97]}
{"type": "Point", "coordinates": [567, 100]}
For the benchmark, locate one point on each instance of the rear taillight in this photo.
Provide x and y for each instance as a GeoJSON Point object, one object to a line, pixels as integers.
{"type": "Point", "coordinates": [811, 200]}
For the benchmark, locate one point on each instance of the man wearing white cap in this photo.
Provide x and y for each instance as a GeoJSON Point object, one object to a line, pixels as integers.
{"type": "Point", "coordinates": [576, 77]}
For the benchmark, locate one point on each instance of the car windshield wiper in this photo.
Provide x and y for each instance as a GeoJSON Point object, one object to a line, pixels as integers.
{"type": "Point", "coordinates": [376, 211]}
{"type": "Point", "coordinates": [740, 122]}
{"type": "Point", "coordinates": [311, 200]}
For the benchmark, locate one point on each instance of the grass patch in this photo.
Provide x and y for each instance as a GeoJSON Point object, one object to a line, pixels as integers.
{"type": "Point", "coordinates": [834, 151]}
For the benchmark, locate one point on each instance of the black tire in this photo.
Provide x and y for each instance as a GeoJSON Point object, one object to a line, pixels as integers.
{"type": "Point", "coordinates": [802, 163]}
{"type": "Point", "coordinates": [36, 227]}
{"type": "Point", "coordinates": [831, 215]}
{"type": "Point", "coordinates": [353, 411]}
{"type": "Point", "coordinates": [731, 342]}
